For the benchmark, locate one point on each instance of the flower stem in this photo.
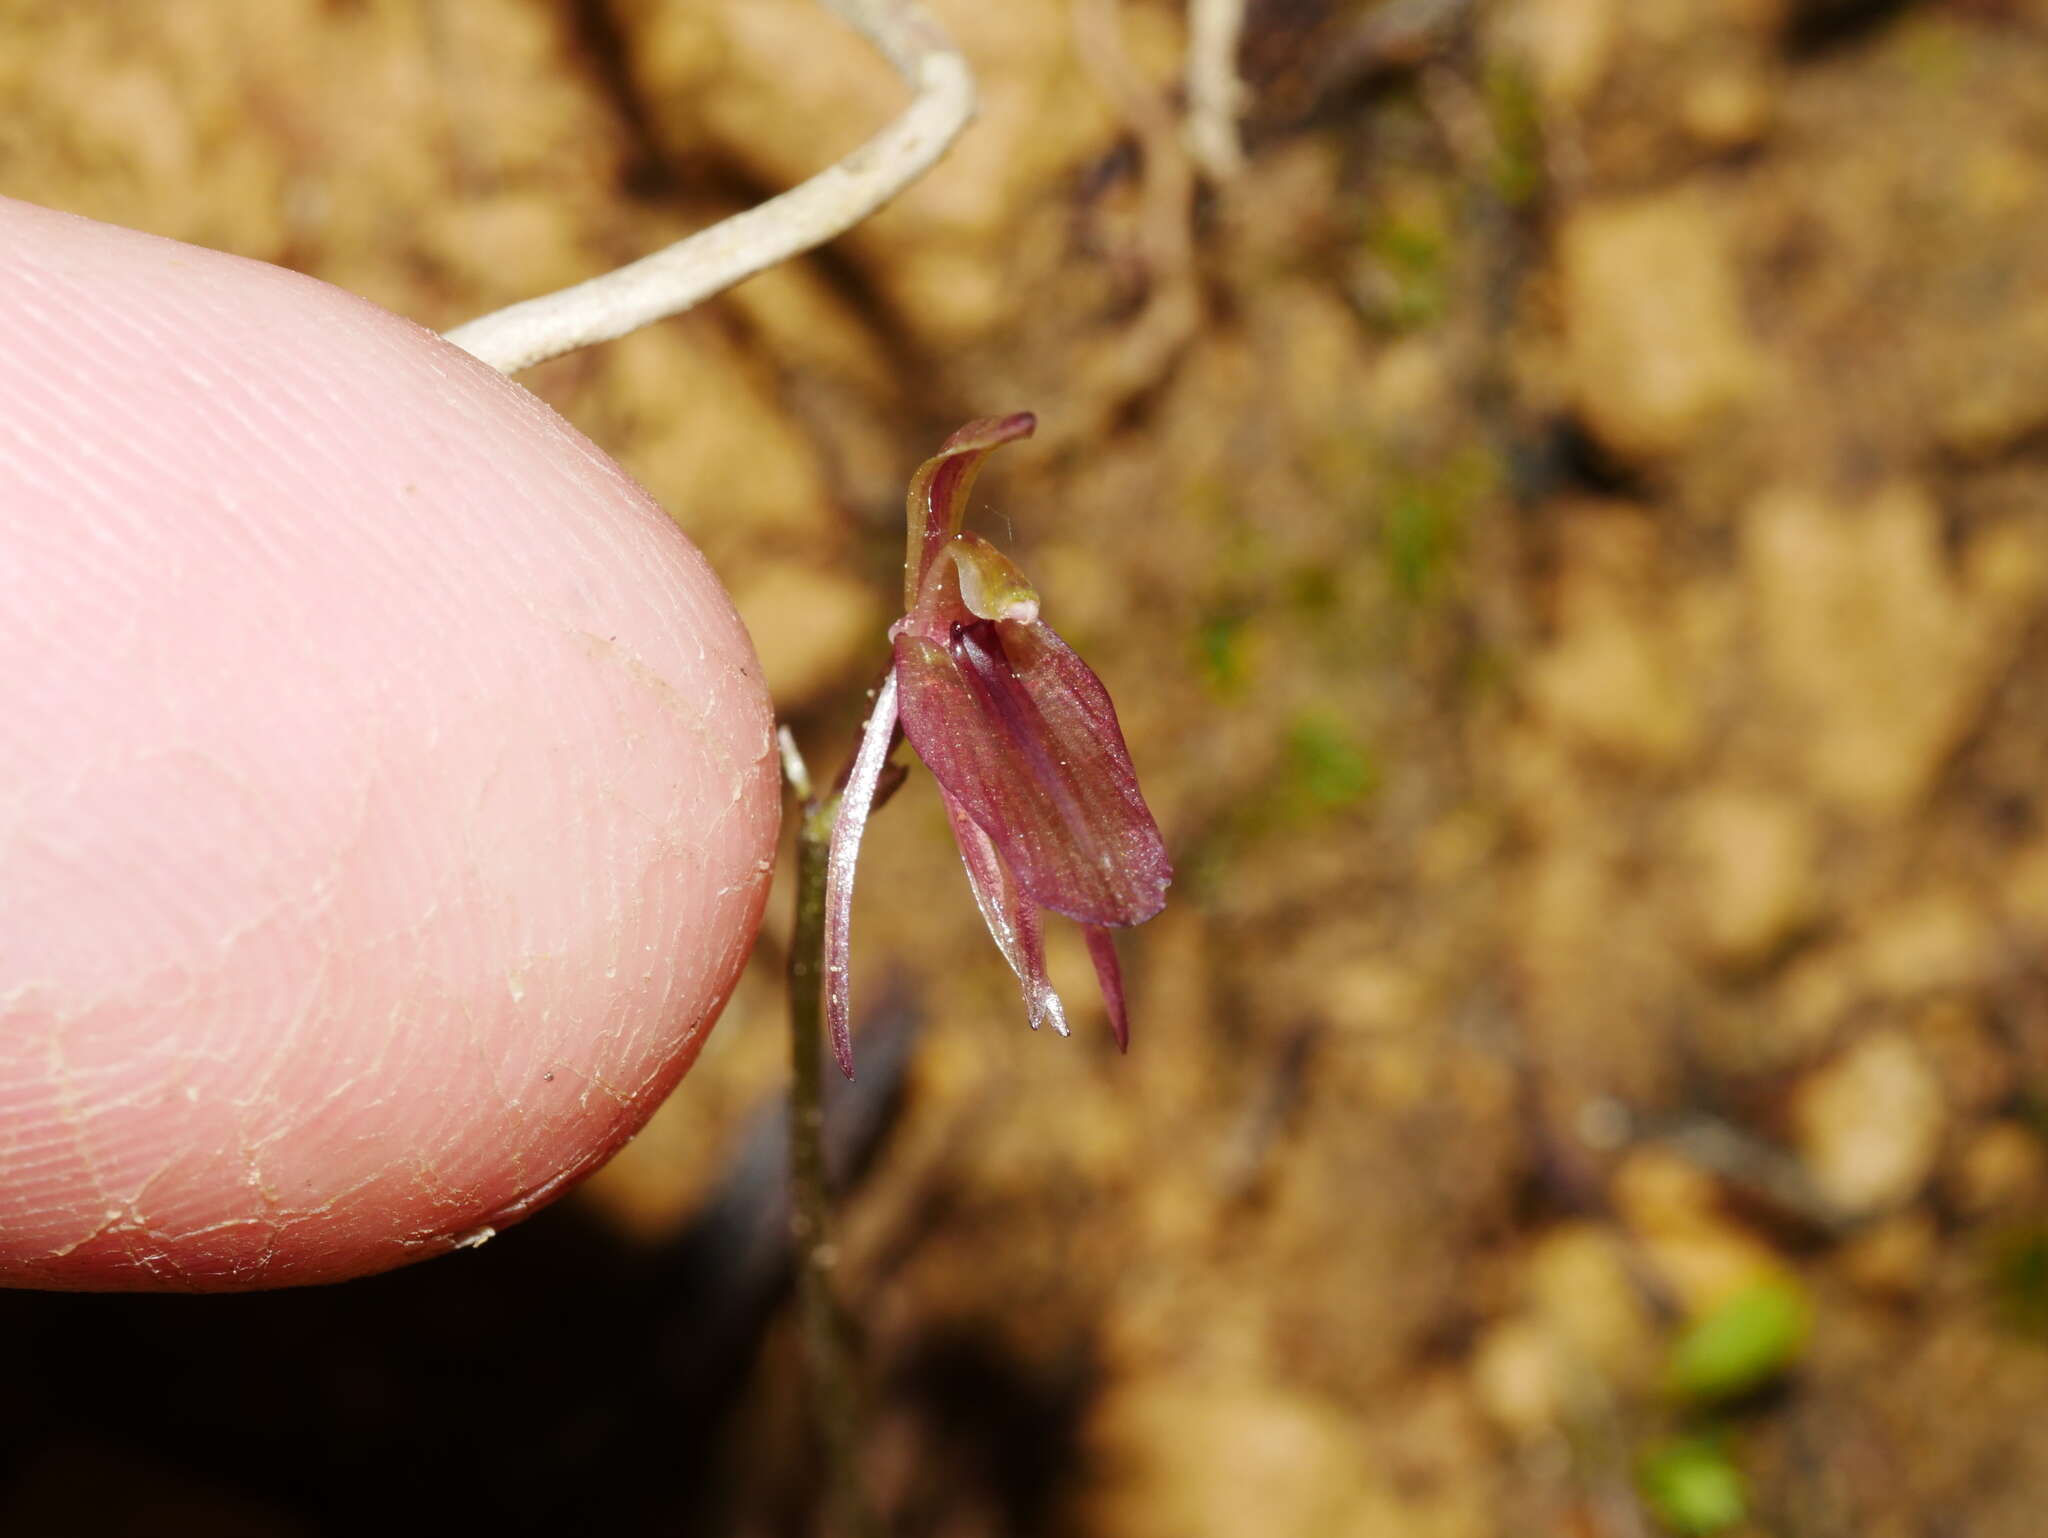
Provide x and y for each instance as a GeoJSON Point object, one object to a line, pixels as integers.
{"type": "Point", "coordinates": [833, 1401]}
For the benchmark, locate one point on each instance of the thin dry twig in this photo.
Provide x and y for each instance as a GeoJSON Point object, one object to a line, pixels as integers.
{"type": "Point", "coordinates": [1215, 93]}
{"type": "Point", "coordinates": [1151, 344]}
{"type": "Point", "coordinates": [837, 198]}
{"type": "Point", "coordinates": [834, 1391]}
{"type": "Point", "coordinates": [1398, 35]}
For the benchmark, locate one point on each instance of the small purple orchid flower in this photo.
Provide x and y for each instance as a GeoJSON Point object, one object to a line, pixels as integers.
{"type": "Point", "coordinates": [1024, 744]}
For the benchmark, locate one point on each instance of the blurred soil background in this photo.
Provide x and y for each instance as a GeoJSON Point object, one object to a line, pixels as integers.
{"type": "Point", "coordinates": [1567, 532]}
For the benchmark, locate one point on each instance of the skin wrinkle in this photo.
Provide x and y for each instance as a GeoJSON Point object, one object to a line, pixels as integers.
{"type": "Point", "coordinates": [271, 1231]}
{"type": "Point", "coordinates": [72, 1117]}
{"type": "Point", "coordinates": [491, 1069]}
{"type": "Point", "coordinates": [206, 448]}
{"type": "Point", "coordinates": [287, 1120]}
{"type": "Point", "coordinates": [295, 1113]}
{"type": "Point", "coordinates": [27, 424]}
{"type": "Point", "coordinates": [250, 801]}
{"type": "Point", "coordinates": [128, 642]}
{"type": "Point", "coordinates": [137, 1205]}
{"type": "Point", "coordinates": [687, 846]}
{"type": "Point", "coordinates": [33, 1148]}
{"type": "Point", "coordinates": [56, 411]}
{"type": "Point", "coordinates": [82, 1120]}
{"type": "Point", "coordinates": [264, 1094]}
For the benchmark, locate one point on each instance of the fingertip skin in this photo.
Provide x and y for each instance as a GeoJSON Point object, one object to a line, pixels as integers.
{"type": "Point", "coordinates": [387, 787]}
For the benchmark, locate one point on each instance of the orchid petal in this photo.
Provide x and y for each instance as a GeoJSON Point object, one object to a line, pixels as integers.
{"type": "Point", "coordinates": [1013, 924]}
{"type": "Point", "coordinates": [939, 490]}
{"type": "Point", "coordinates": [855, 802]}
{"type": "Point", "coordinates": [1102, 951]}
{"type": "Point", "coordinates": [1022, 737]}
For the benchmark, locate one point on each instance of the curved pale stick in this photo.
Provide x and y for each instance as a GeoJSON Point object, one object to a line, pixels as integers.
{"type": "Point", "coordinates": [692, 270]}
{"type": "Point", "coordinates": [855, 802]}
{"type": "Point", "coordinates": [1215, 94]}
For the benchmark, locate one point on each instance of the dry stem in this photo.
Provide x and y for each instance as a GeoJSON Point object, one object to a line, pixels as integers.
{"type": "Point", "coordinates": [692, 270]}
{"type": "Point", "coordinates": [1151, 344]}
{"type": "Point", "coordinates": [1215, 93]}
{"type": "Point", "coordinates": [834, 1400]}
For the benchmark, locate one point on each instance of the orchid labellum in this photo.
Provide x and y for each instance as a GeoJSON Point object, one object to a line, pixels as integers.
{"type": "Point", "coordinates": [1024, 744]}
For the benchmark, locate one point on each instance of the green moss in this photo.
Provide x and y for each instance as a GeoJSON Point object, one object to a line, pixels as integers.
{"type": "Point", "coordinates": [1420, 536]}
{"type": "Point", "coordinates": [1328, 768]}
{"type": "Point", "coordinates": [1221, 654]}
{"type": "Point", "coordinates": [2018, 1275]}
{"type": "Point", "coordinates": [1316, 592]}
{"type": "Point", "coordinates": [1692, 1486]}
{"type": "Point", "coordinates": [1422, 533]}
{"type": "Point", "coordinates": [1741, 1345]}
{"type": "Point", "coordinates": [1511, 109]}
{"type": "Point", "coordinates": [1411, 252]}
{"type": "Point", "coordinates": [1935, 52]}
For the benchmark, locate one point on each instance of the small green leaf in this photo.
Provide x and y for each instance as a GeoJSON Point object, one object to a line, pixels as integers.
{"type": "Point", "coordinates": [1328, 768]}
{"type": "Point", "coordinates": [1518, 170]}
{"type": "Point", "coordinates": [1420, 534]}
{"type": "Point", "coordinates": [1741, 1344]}
{"type": "Point", "coordinates": [1411, 259]}
{"type": "Point", "coordinates": [1425, 517]}
{"type": "Point", "coordinates": [1221, 644]}
{"type": "Point", "coordinates": [2019, 1279]}
{"type": "Point", "coordinates": [1692, 1487]}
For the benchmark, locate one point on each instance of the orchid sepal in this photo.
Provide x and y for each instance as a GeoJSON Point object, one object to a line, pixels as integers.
{"type": "Point", "coordinates": [856, 800]}
{"type": "Point", "coordinates": [937, 502]}
{"type": "Point", "coordinates": [1109, 976]}
{"type": "Point", "coordinates": [1022, 738]}
{"type": "Point", "coordinates": [1012, 924]}
{"type": "Point", "coordinates": [1021, 735]}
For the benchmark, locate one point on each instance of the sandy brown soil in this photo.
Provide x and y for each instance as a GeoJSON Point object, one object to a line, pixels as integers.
{"type": "Point", "coordinates": [1567, 531]}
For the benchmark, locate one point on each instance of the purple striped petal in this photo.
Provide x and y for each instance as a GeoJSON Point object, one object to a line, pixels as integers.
{"type": "Point", "coordinates": [939, 490]}
{"type": "Point", "coordinates": [855, 802]}
{"type": "Point", "coordinates": [1022, 737]}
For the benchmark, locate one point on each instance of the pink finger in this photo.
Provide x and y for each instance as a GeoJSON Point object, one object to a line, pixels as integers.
{"type": "Point", "coordinates": [386, 786]}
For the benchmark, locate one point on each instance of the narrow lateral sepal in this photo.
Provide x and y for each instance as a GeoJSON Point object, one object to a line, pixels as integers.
{"type": "Point", "coordinates": [856, 800]}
